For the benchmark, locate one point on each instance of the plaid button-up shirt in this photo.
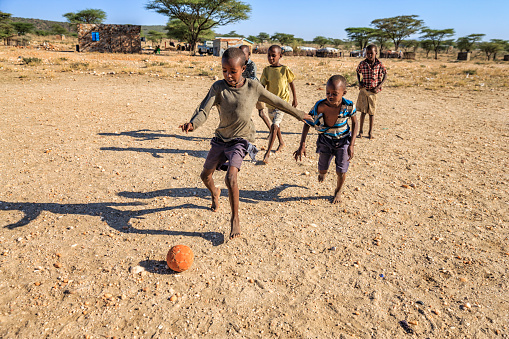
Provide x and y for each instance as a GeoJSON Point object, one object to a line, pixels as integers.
{"type": "Point", "coordinates": [372, 75]}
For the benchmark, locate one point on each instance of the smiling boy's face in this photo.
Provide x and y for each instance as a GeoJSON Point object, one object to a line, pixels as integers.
{"type": "Point", "coordinates": [273, 56]}
{"type": "Point", "coordinates": [232, 71]}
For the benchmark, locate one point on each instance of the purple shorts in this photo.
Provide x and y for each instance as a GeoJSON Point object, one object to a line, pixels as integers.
{"type": "Point", "coordinates": [327, 148]}
{"type": "Point", "coordinates": [220, 152]}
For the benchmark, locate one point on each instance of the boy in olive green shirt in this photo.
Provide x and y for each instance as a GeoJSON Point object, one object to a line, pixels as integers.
{"type": "Point", "coordinates": [235, 97]}
{"type": "Point", "coordinates": [277, 78]}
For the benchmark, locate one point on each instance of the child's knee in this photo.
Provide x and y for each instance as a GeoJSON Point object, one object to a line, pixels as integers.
{"type": "Point", "coordinates": [205, 174]}
{"type": "Point", "coordinates": [230, 179]}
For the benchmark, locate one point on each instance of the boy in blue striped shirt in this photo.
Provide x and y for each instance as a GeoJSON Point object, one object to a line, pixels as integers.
{"type": "Point", "coordinates": [335, 138]}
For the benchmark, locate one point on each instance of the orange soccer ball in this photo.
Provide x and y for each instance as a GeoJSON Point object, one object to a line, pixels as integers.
{"type": "Point", "coordinates": [180, 258]}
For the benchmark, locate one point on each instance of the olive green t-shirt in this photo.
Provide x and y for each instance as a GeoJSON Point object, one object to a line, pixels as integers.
{"type": "Point", "coordinates": [235, 106]}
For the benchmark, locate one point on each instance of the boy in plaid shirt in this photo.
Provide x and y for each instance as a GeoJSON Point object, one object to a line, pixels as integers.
{"type": "Point", "coordinates": [374, 75]}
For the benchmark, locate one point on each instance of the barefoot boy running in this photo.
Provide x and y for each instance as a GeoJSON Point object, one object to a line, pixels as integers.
{"type": "Point", "coordinates": [374, 75]}
{"type": "Point", "coordinates": [277, 78]}
{"type": "Point", "coordinates": [235, 98]}
{"type": "Point", "coordinates": [330, 119]}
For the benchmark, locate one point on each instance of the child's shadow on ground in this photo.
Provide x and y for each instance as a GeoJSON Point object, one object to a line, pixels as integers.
{"type": "Point", "coordinates": [156, 152]}
{"type": "Point", "coordinates": [117, 219]}
{"type": "Point", "coordinates": [148, 135]}
{"type": "Point", "coordinates": [246, 196]}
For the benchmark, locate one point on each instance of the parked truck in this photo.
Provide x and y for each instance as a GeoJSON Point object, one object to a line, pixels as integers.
{"type": "Point", "coordinates": [206, 48]}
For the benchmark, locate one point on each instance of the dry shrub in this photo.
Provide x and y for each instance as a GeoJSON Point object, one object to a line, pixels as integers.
{"type": "Point", "coordinates": [32, 61]}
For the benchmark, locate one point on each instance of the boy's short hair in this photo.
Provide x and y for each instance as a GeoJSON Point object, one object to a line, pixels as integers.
{"type": "Point", "coordinates": [276, 48]}
{"type": "Point", "coordinates": [243, 47]}
{"type": "Point", "coordinates": [234, 53]}
{"type": "Point", "coordinates": [372, 47]}
{"type": "Point", "coordinates": [337, 81]}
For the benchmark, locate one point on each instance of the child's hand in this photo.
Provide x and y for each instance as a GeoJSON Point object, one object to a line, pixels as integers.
{"type": "Point", "coordinates": [294, 102]}
{"type": "Point", "coordinates": [299, 153]}
{"type": "Point", "coordinates": [350, 152]}
{"type": "Point", "coordinates": [187, 127]}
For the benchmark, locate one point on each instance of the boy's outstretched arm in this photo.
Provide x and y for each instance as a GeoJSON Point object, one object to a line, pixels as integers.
{"type": "Point", "coordinates": [294, 94]}
{"type": "Point", "coordinates": [302, 147]}
{"type": "Point", "coordinates": [273, 100]}
{"type": "Point", "coordinates": [355, 132]}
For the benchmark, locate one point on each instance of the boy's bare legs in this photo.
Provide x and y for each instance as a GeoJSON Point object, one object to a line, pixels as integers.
{"type": "Point", "coordinates": [206, 177]}
{"type": "Point", "coordinates": [264, 118]}
{"type": "Point", "coordinates": [337, 192]}
{"type": "Point", "coordinates": [280, 139]}
{"type": "Point", "coordinates": [371, 122]}
{"type": "Point", "coordinates": [273, 133]}
{"type": "Point", "coordinates": [361, 125]}
{"type": "Point", "coordinates": [233, 196]}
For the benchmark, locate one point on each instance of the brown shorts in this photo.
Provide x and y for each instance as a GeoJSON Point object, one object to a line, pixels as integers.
{"type": "Point", "coordinates": [260, 105]}
{"type": "Point", "coordinates": [229, 153]}
{"type": "Point", "coordinates": [366, 102]}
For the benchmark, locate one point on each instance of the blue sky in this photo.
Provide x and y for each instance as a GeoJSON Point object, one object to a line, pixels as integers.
{"type": "Point", "coordinates": [304, 19]}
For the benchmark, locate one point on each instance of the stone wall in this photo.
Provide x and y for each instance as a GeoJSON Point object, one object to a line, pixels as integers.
{"type": "Point", "coordinates": [111, 38]}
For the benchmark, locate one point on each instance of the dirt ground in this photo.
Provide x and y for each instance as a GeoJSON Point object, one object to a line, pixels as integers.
{"type": "Point", "coordinates": [98, 183]}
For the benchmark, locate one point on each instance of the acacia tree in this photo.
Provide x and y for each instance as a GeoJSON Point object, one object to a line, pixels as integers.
{"type": "Point", "coordinates": [381, 38]}
{"type": "Point", "coordinates": [263, 36]}
{"type": "Point", "coordinates": [361, 35]}
{"type": "Point", "coordinates": [467, 43]}
{"type": "Point", "coordinates": [176, 29]}
{"type": "Point", "coordinates": [504, 46]}
{"type": "Point", "coordinates": [22, 28]}
{"type": "Point", "coordinates": [58, 29]}
{"type": "Point", "coordinates": [336, 42]}
{"type": "Point", "coordinates": [283, 38]}
{"type": "Point", "coordinates": [321, 41]}
{"type": "Point", "coordinates": [490, 48]}
{"type": "Point", "coordinates": [399, 27]}
{"type": "Point", "coordinates": [254, 39]}
{"type": "Point", "coordinates": [201, 15]}
{"type": "Point", "coordinates": [86, 16]}
{"type": "Point", "coordinates": [6, 29]}
{"type": "Point", "coordinates": [436, 36]}
{"type": "Point", "coordinates": [155, 36]}
{"type": "Point", "coordinates": [427, 45]}
{"type": "Point", "coordinates": [410, 44]}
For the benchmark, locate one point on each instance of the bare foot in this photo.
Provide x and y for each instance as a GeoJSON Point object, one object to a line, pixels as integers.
{"type": "Point", "coordinates": [337, 197]}
{"type": "Point", "coordinates": [280, 148]}
{"type": "Point", "coordinates": [321, 177]}
{"type": "Point", "coordinates": [266, 157]}
{"type": "Point", "coordinates": [235, 231]}
{"type": "Point", "coordinates": [360, 135]}
{"type": "Point", "coordinates": [215, 200]}
{"type": "Point", "coordinates": [371, 136]}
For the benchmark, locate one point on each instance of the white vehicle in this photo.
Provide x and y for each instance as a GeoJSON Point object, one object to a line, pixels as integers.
{"type": "Point", "coordinates": [206, 48]}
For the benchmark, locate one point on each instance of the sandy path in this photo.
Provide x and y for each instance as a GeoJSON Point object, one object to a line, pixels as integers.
{"type": "Point", "coordinates": [96, 179]}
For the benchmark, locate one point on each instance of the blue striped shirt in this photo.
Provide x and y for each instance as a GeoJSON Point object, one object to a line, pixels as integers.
{"type": "Point", "coordinates": [341, 128]}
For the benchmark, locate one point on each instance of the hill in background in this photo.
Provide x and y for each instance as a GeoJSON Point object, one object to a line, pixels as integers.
{"type": "Point", "coordinates": [45, 25]}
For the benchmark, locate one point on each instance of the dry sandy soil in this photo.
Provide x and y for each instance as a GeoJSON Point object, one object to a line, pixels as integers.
{"type": "Point", "coordinates": [98, 183]}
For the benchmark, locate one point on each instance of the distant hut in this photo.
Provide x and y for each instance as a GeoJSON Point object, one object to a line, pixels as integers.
{"type": "Point", "coordinates": [327, 52]}
{"type": "Point", "coordinates": [109, 38]}
{"type": "Point", "coordinates": [221, 44]}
